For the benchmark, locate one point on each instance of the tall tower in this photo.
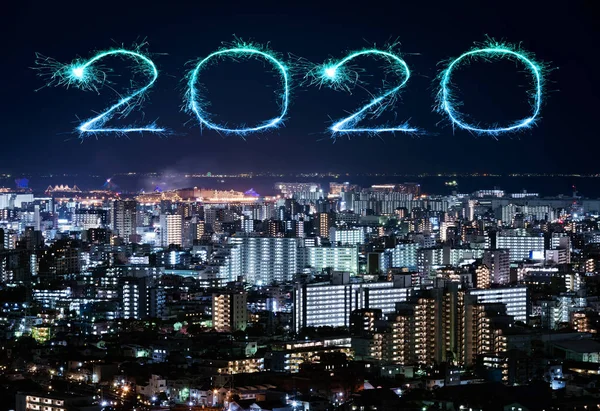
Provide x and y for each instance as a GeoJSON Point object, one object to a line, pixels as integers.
{"type": "Point", "coordinates": [230, 311]}
{"type": "Point", "coordinates": [124, 218]}
{"type": "Point", "coordinates": [171, 229]}
{"type": "Point", "coordinates": [498, 262]}
{"type": "Point", "coordinates": [325, 221]}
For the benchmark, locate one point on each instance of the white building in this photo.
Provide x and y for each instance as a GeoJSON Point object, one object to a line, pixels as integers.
{"type": "Point", "coordinates": [345, 236]}
{"type": "Point", "coordinates": [520, 244]}
{"type": "Point", "coordinates": [319, 305]}
{"type": "Point", "coordinates": [516, 299]}
{"type": "Point", "coordinates": [171, 229]}
{"type": "Point", "coordinates": [343, 258]}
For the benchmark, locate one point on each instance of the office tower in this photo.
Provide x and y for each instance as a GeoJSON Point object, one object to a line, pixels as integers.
{"type": "Point", "coordinates": [124, 218]}
{"type": "Point", "coordinates": [498, 261]}
{"type": "Point", "coordinates": [171, 229]}
{"type": "Point", "coordinates": [230, 311]}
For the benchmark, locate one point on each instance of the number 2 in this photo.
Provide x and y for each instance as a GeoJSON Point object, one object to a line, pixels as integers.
{"type": "Point", "coordinates": [337, 75]}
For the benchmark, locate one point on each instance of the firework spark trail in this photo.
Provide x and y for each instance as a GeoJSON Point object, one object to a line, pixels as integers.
{"type": "Point", "coordinates": [195, 104]}
{"type": "Point", "coordinates": [88, 75]}
{"type": "Point", "coordinates": [338, 75]}
{"type": "Point", "coordinates": [446, 102]}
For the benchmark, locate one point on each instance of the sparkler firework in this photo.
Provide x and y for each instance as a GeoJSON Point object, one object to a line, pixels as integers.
{"type": "Point", "coordinates": [338, 75]}
{"type": "Point", "coordinates": [197, 105]}
{"type": "Point", "coordinates": [446, 102]}
{"type": "Point", "coordinates": [90, 75]}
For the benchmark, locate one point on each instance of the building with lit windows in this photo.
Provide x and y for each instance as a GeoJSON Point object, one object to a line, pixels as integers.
{"type": "Point", "coordinates": [344, 258]}
{"type": "Point", "coordinates": [498, 262]}
{"type": "Point", "coordinates": [289, 357]}
{"type": "Point", "coordinates": [344, 236]}
{"type": "Point", "coordinates": [171, 229]}
{"type": "Point", "coordinates": [262, 260]}
{"type": "Point", "coordinates": [515, 298]}
{"type": "Point", "coordinates": [90, 218]}
{"type": "Point", "coordinates": [52, 402]}
{"type": "Point", "coordinates": [230, 311]}
{"type": "Point", "coordinates": [124, 218]}
{"type": "Point", "coordinates": [319, 305]}
{"type": "Point", "coordinates": [519, 243]}
{"type": "Point", "coordinates": [324, 222]}
{"type": "Point", "coordinates": [404, 255]}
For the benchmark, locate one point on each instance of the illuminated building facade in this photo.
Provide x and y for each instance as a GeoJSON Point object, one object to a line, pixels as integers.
{"type": "Point", "coordinates": [498, 262]}
{"type": "Point", "coordinates": [318, 305]}
{"type": "Point", "coordinates": [230, 311]}
{"type": "Point", "coordinates": [51, 402]}
{"type": "Point", "coordinates": [171, 229]}
{"type": "Point", "coordinates": [124, 218]}
{"type": "Point", "coordinates": [515, 298]}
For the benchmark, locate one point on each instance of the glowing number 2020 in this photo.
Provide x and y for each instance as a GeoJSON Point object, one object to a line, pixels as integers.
{"type": "Point", "coordinates": [196, 105]}
{"type": "Point", "coordinates": [86, 75]}
{"type": "Point", "coordinates": [337, 75]}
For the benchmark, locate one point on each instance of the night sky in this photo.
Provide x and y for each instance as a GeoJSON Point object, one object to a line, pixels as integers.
{"type": "Point", "coordinates": [37, 126]}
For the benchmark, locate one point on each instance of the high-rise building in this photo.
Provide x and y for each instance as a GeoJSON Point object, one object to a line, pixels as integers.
{"type": "Point", "coordinates": [343, 258]}
{"type": "Point", "coordinates": [324, 222]}
{"type": "Point", "coordinates": [319, 305]}
{"type": "Point", "coordinates": [515, 298]}
{"type": "Point", "coordinates": [520, 244]}
{"type": "Point", "coordinates": [90, 218]}
{"type": "Point", "coordinates": [446, 325]}
{"type": "Point", "coordinates": [171, 229]}
{"type": "Point", "coordinates": [230, 311]}
{"type": "Point", "coordinates": [498, 261]}
{"type": "Point", "coordinates": [124, 218]}
{"type": "Point", "coordinates": [345, 236]}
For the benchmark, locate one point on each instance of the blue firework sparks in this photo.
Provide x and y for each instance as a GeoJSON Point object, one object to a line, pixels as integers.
{"type": "Point", "coordinates": [197, 105]}
{"type": "Point", "coordinates": [490, 51]}
{"type": "Point", "coordinates": [90, 75]}
{"type": "Point", "coordinates": [340, 75]}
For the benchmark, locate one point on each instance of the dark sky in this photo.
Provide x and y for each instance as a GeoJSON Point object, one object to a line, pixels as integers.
{"type": "Point", "coordinates": [38, 126]}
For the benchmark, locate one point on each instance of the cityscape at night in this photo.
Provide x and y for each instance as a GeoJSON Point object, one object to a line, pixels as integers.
{"type": "Point", "coordinates": [271, 206]}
